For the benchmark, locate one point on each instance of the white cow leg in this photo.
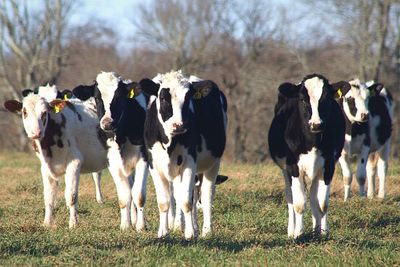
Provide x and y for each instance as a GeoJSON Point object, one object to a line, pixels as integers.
{"type": "Point", "coordinates": [124, 195]}
{"type": "Point", "coordinates": [323, 201]}
{"type": "Point", "coordinates": [50, 186]}
{"type": "Point", "coordinates": [361, 174]}
{"type": "Point", "coordinates": [71, 190]}
{"type": "Point", "coordinates": [207, 197]}
{"type": "Point", "coordinates": [163, 199]}
{"type": "Point", "coordinates": [139, 193]}
{"type": "Point", "coordinates": [185, 198]}
{"type": "Point", "coordinates": [382, 168]}
{"type": "Point", "coordinates": [371, 170]}
{"type": "Point", "coordinates": [289, 200]}
{"type": "Point", "coordinates": [299, 205]}
{"type": "Point", "coordinates": [314, 204]}
{"type": "Point", "coordinates": [347, 175]}
{"type": "Point", "coordinates": [96, 179]}
{"type": "Point", "coordinates": [178, 214]}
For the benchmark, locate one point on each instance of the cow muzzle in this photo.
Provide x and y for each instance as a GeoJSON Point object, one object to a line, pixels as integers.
{"type": "Point", "coordinates": [178, 128]}
{"type": "Point", "coordinates": [315, 127]}
{"type": "Point", "coordinates": [106, 124]}
{"type": "Point", "coordinates": [364, 117]}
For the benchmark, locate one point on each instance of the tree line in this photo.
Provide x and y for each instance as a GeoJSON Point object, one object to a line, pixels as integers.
{"type": "Point", "coordinates": [247, 47]}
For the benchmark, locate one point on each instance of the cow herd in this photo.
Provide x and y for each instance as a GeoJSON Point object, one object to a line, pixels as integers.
{"type": "Point", "coordinates": [174, 127]}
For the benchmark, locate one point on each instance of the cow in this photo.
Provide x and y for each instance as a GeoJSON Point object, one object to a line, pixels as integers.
{"type": "Point", "coordinates": [67, 140]}
{"type": "Point", "coordinates": [50, 92]}
{"type": "Point", "coordinates": [185, 134]}
{"type": "Point", "coordinates": [122, 110]}
{"type": "Point", "coordinates": [368, 109]}
{"type": "Point", "coordinates": [305, 139]}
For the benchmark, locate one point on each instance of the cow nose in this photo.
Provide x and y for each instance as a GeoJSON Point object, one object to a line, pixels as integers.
{"type": "Point", "coordinates": [364, 116]}
{"type": "Point", "coordinates": [315, 127]}
{"type": "Point", "coordinates": [106, 124]}
{"type": "Point", "coordinates": [178, 128]}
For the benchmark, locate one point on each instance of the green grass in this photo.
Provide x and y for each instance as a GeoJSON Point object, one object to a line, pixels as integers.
{"type": "Point", "coordinates": [249, 225]}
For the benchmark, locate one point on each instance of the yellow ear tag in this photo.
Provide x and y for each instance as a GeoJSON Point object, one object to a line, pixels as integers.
{"type": "Point", "coordinates": [56, 109]}
{"type": "Point", "coordinates": [131, 93]}
{"type": "Point", "coordinates": [65, 97]}
{"type": "Point", "coordinates": [197, 95]}
{"type": "Point", "coordinates": [338, 94]}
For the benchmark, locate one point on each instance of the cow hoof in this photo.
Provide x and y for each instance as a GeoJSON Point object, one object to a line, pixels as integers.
{"type": "Point", "coordinates": [207, 231]}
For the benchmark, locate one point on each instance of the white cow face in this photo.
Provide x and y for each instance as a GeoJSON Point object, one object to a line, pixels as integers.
{"type": "Point", "coordinates": [355, 102]}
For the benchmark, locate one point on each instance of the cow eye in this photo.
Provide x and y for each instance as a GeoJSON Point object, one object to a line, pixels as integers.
{"type": "Point", "coordinates": [24, 113]}
{"type": "Point", "coordinates": [43, 117]}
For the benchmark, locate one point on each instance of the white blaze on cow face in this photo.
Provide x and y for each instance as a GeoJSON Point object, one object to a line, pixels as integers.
{"type": "Point", "coordinates": [34, 116]}
{"type": "Point", "coordinates": [171, 99]}
{"type": "Point", "coordinates": [355, 102]}
{"type": "Point", "coordinates": [314, 87]}
{"type": "Point", "coordinates": [107, 83]}
{"type": "Point", "coordinates": [48, 92]}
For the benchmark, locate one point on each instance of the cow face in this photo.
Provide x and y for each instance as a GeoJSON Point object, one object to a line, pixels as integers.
{"type": "Point", "coordinates": [173, 101]}
{"type": "Point", "coordinates": [355, 102]}
{"type": "Point", "coordinates": [315, 96]}
{"type": "Point", "coordinates": [35, 113]}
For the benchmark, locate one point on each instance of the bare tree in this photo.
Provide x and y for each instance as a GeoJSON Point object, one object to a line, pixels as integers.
{"type": "Point", "coordinates": [31, 45]}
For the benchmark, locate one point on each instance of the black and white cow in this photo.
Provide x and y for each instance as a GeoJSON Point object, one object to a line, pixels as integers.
{"type": "Point", "coordinates": [369, 114]}
{"type": "Point", "coordinates": [50, 93]}
{"type": "Point", "coordinates": [122, 112]}
{"type": "Point", "coordinates": [185, 134]}
{"type": "Point", "coordinates": [67, 140]}
{"type": "Point", "coordinates": [305, 139]}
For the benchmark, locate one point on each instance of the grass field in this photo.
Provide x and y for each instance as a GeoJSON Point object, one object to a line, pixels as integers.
{"type": "Point", "coordinates": [249, 225]}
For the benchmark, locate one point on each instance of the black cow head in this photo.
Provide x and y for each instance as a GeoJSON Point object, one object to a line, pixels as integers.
{"type": "Point", "coordinates": [111, 95]}
{"type": "Point", "coordinates": [314, 97]}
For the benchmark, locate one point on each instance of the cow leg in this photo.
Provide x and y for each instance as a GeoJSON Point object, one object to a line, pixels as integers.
{"type": "Point", "coordinates": [347, 175]}
{"type": "Point", "coordinates": [289, 200]}
{"type": "Point", "coordinates": [71, 189]}
{"type": "Point", "coordinates": [139, 193]}
{"type": "Point", "coordinates": [382, 168]}
{"type": "Point", "coordinates": [299, 204]}
{"type": "Point", "coordinates": [371, 170]}
{"type": "Point", "coordinates": [185, 197]}
{"type": "Point", "coordinates": [178, 214]}
{"type": "Point", "coordinates": [97, 178]}
{"type": "Point", "coordinates": [361, 169]}
{"type": "Point", "coordinates": [163, 199]}
{"type": "Point", "coordinates": [172, 208]}
{"type": "Point", "coordinates": [207, 197]}
{"type": "Point", "coordinates": [314, 204]}
{"type": "Point", "coordinates": [323, 201]}
{"type": "Point", "coordinates": [50, 186]}
{"type": "Point", "coordinates": [124, 195]}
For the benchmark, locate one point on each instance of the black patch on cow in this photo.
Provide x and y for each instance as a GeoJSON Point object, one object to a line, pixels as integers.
{"type": "Point", "coordinates": [165, 104]}
{"type": "Point", "coordinates": [290, 135]}
{"type": "Point", "coordinates": [60, 143]}
{"type": "Point", "coordinates": [352, 105]}
{"type": "Point", "coordinates": [362, 160]}
{"type": "Point", "coordinates": [179, 160]}
{"type": "Point", "coordinates": [101, 135]}
{"type": "Point", "coordinates": [79, 116]}
{"type": "Point", "coordinates": [53, 130]}
{"type": "Point", "coordinates": [68, 142]}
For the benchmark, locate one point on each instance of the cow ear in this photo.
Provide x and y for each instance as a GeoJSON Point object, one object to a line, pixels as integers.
{"type": "Point", "coordinates": [27, 92]}
{"type": "Point", "coordinates": [133, 89]}
{"type": "Point", "coordinates": [66, 94]}
{"type": "Point", "coordinates": [201, 89]}
{"type": "Point", "coordinates": [83, 92]}
{"type": "Point", "coordinates": [288, 90]}
{"type": "Point", "coordinates": [340, 89]}
{"type": "Point", "coordinates": [149, 87]}
{"type": "Point", "coordinates": [13, 106]}
{"type": "Point", "coordinates": [375, 89]}
{"type": "Point", "coordinates": [57, 105]}
{"type": "Point", "coordinates": [221, 179]}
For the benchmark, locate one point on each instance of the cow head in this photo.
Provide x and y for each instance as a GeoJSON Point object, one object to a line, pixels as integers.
{"type": "Point", "coordinates": [173, 100]}
{"type": "Point", "coordinates": [355, 101]}
{"type": "Point", "coordinates": [314, 97]}
{"type": "Point", "coordinates": [111, 95]}
{"type": "Point", "coordinates": [35, 113]}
